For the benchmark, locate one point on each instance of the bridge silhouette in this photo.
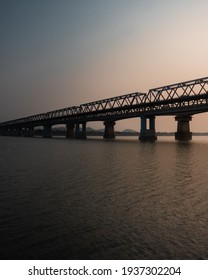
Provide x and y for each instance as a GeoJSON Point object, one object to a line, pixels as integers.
{"type": "Point", "coordinates": [181, 100]}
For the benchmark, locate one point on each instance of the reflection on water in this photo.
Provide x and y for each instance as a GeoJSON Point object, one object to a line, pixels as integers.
{"type": "Point", "coordinates": [95, 199]}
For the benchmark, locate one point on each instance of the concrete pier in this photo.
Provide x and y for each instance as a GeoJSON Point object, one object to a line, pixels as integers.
{"type": "Point", "coordinates": [147, 134]}
{"type": "Point", "coordinates": [12, 132]}
{"type": "Point", "coordinates": [70, 131]}
{"type": "Point", "coordinates": [19, 132]}
{"type": "Point", "coordinates": [80, 132]}
{"type": "Point", "coordinates": [5, 132]}
{"type": "Point", "coordinates": [47, 131]}
{"type": "Point", "coordinates": [109, 130]}
{"type": "Point", "coordinates": [183, 128]}
{"type": "Point", "coordinates": [28, 132]}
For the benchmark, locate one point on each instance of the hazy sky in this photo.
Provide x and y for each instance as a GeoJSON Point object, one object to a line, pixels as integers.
{"type": "Point", "coordinates": [60, 53]}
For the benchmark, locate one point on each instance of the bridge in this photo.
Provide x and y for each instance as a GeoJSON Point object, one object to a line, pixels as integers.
{"type": "Point", "coordinates": [181, 100]}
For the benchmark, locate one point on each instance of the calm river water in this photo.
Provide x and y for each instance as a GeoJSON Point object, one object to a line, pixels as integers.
{"type": "Point", "coordinates": [96, 199]}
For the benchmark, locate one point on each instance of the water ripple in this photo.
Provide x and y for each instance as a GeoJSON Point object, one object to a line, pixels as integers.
{"type": "Point", "coordinates": [103, 200]}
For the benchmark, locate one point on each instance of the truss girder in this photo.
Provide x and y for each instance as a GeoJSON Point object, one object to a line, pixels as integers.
{"type": "Point", "coordinates": [179, 90]}
{"type": "Point", "coordinates": [190, 96]}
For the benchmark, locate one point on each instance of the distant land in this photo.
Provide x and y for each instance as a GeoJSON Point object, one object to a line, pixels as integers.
{"type": "Point", "coordinates": [61, 131]}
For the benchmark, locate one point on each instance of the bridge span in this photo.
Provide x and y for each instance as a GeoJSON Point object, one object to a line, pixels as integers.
{"type": "Point", "coordinates": [181, 100]}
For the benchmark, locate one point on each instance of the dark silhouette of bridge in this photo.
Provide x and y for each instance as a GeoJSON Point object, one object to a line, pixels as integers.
{"type": "Point", "coordinates": [181, 100]}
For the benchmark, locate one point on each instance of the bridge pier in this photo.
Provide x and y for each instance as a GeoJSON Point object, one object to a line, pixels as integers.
{"type": "Point", "coordinates": [19, 132]}
{"type": "Point", "coordinates": [5, 132]}
{"type": "Point", "coordinates": [80, 133]}
{"type": "Point", "coordinates": [28, 132]}
{"type": "Point", "coordinates": [109, 130]}
{"type": "Point", "coordinates": [12, 132]}
{"type": "Point", "coordinates": [147, 134]}
{"type": "Point", "coordinates": [47, 131]}
{"type": "Point", "coordinates": [15, 132]}
{"type": "Point", "coordinates": [183, 128]}
{"type": "Point", "coordinates": [70, 131]}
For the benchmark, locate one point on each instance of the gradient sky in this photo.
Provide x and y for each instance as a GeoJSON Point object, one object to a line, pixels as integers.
{"type": "Point", "coordinates": [60, 53]}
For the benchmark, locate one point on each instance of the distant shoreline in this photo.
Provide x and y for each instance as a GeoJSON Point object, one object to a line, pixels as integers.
{"type": "Point", "coordinates": [127, 132]}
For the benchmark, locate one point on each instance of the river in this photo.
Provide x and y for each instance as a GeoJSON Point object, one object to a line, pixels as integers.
{"type": "Point", "coordinates": [97, 199]}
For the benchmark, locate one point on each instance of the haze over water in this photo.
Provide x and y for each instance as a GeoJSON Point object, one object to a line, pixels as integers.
{"type": "Point", "coordinates": [96, 199]}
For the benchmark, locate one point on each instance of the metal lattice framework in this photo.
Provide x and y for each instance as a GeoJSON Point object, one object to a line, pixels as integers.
{"type": "Point", "coordinates": [190, 96]}
{"type": "Point", "coordinates": [132, 99]}
{"type": "Point", "coordinates": [180, 90]}
{"type": "Point", "coordinates": [186, 97]}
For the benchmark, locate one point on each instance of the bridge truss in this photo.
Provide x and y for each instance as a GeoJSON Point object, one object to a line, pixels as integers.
{"type": "Point", "coordinates": [185, 97]}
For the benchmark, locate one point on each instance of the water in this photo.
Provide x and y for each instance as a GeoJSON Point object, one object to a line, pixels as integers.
{"type": "Point", "coordinates": [96, 199]}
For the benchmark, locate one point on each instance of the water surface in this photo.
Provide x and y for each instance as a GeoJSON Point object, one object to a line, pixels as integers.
{"type": "Point", "coordinates": [96, 199]}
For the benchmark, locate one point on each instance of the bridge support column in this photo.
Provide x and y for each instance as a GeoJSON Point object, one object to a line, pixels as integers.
{"type": "Point", "coordinates": [11, 132]}
{"type": "Point", "coordinates": [4, 132]}
{"type": "Point", "coordinates": [109, 130]}
{"type": "Point", "coordinates": [16, 132]}
{"type": "Point", "coordinates": [47, 131]}
{"type": "Point", "coordinates": [28, 132]}
{"type": "Point", "coordinates": [147, 134]}
{"type": "Point", "coordinates": [80, 133]}
{"type": "Point", "coordinates": [24, 132]}
{"type": "Point", "coordinates": [31, 131]}
{"type": "Point", "coordinates": [183, 128]}
{"type": "Point", "coordinates": [19, 132]}
{"type": "Point", "coordinates": [70, 131]}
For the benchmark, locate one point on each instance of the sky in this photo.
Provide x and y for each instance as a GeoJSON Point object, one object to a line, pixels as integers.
{"type": "Point", "coordinates": [61, 53]}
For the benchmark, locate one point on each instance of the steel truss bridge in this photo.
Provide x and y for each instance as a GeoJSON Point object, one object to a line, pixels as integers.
{"type": "Point", "coordinates": [181, 100]}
